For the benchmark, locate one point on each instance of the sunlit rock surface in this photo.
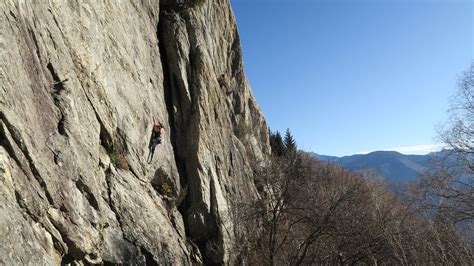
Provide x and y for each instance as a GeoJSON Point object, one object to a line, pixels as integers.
{"type": "Point", "coordinates": [81, 82]}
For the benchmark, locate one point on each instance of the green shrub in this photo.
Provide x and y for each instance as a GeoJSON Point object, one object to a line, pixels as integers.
{"type": "Point", "coordinates": [166, 189]}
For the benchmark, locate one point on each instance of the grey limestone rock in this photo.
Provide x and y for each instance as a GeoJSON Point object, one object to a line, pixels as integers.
{"type": "Point", "coordinates": [81, 82]}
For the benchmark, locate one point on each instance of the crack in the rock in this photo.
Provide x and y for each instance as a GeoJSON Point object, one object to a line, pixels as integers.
{"type": "Point", "coordinates": [87, 192]}
{"type": "Point", "coordinates": [108, 174]}
{"type": "Point", "coordinates": [9, 22]}
{"type": "Point", "coordinates": [58, 85]}
{"type": "Point", "coordinates": [58, 88]}
{"type": "Point", "coordinates": [135, 174]}
{"type": "Point", "coordinates": [184, 117]}
{"type": "Point", "coordinates": [35, 41]}
{"type": "Point", "coordinates": [21, 204]}
{"type": "Point", "coordinates": [10, 150]}
{"type": "Point", "coordinates": [57, 23]}
{"type": "Point", "coordinates": [167, 85]}
{"type": "Point", "coordinates": [149, 259]}
{"type": "Point", "coordinates": [61, 127]}
{"type": "Point", "coordinates": [24, 150]}
{"type": "Point", "coordinates": [57, 243]}
{"type": "Point", "coordinates": [12, 14]}
{"type": "Point", "coordinates": [105, 137]}
{"type": "Point", "coordinates": [73, 251]}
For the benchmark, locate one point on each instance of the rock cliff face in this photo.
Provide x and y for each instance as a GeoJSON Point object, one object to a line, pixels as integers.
{"type": "Point", "coordinates": [80, 84]}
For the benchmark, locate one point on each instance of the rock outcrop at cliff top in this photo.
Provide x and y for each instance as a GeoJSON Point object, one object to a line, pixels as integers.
{"type": "Point", "coordinates": [80, 84]}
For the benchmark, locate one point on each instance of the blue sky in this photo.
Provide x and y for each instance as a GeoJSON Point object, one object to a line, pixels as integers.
{"type": "Point", "coordinates": [356, 76]}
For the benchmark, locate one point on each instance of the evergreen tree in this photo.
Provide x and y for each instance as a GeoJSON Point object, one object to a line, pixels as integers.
{"type": "Point", "coordinates": [276, 142]}
{"type": "Point", "coordinates": [290, 143]}
{"type": "Point", "coordinates": [280, 148]}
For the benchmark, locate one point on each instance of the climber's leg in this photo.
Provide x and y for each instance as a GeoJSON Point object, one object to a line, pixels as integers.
{"type": "Point", "coordinates": [148, 158]}
{"type": "Point", "coordinates": [152, 152]}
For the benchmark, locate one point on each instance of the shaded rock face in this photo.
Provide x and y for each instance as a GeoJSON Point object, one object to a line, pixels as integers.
{"type": "Point", "coordinates": [81, 82]}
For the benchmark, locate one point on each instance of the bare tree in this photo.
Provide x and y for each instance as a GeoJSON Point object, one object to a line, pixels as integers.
{"type": "Point", "coordinates": [458, 132]}
{"type": "Point", "coordinates": [312, 212]}
{"type": "Point", "coordinates": [448, 191]}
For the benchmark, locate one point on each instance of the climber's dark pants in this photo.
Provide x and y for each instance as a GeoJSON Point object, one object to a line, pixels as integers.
{"type": "Point", "coordinates": [152, 149]}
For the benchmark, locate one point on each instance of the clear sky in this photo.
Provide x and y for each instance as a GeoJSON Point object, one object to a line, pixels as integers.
{"type": "Point", "coordinates": [356, 76]}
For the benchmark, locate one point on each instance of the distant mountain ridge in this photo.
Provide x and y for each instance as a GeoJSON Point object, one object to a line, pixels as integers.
{"type": "Point", "coordinates": [390, 164]}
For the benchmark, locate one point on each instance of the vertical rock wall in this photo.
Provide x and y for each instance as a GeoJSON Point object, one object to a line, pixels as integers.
{"type": "Point", "coordinates": [80, 84]}
{"type": "Point", "coordinates": [218, 131]}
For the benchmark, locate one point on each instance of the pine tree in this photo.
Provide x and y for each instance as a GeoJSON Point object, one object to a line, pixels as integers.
{"type": "Point", "coordinates": [280, 148]}
{"type": "Point", "coordinates": [276, 142]}
{"type": "Point", "coordinates": [290, 143]}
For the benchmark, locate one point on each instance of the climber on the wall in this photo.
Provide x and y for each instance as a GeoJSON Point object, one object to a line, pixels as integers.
{"type": "Point", "coordinates": [155, 139]}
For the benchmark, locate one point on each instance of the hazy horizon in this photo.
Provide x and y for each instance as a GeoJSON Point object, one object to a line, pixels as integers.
{"type": "Point", "coordinates": [408, 150]}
